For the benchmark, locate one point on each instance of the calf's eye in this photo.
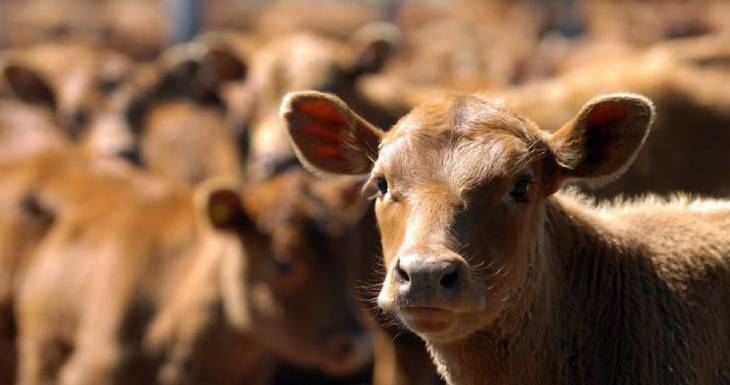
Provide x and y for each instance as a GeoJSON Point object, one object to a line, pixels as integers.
{"type": "Point", "coordinates": [521, 189]}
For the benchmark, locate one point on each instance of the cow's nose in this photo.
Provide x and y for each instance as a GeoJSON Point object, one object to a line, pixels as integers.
{"type": "Point", "coordinates": [132, 155]}
{"type": "Point", "coordinates": [429, 277]}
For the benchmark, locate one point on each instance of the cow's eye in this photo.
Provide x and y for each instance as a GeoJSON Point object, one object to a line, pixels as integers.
{"type": "Point", "coordinates": [521, 190]}
{"type": "Point", "coordinates": [382, 185]}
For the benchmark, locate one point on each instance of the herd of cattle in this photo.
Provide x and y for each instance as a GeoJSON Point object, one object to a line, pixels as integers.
{"type": "Point", "coordinates": [156, 226]}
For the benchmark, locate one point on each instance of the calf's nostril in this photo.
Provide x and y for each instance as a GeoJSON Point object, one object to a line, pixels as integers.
{"type": "Point", "coordinates": [341, 347]}
{"type": "Point", "coordinates": [449, 280]}
{"type": "Point", "coordinates": [402, 273]}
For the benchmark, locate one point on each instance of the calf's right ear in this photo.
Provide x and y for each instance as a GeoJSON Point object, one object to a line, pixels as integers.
{"type": "Point", "coordinates": [328, 137]}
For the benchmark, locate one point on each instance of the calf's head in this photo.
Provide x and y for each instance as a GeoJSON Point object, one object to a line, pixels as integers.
{"type": "Point", "coordinates": [178, 116]}
{"type": "Point", "coordinates": [293, 285]}
{"type": "Point", "coordinates": [75, 82]}
{"type": "Point", "coordinates": [461, 186]}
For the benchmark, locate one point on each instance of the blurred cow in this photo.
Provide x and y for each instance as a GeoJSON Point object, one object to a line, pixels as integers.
{"type": "Point", "coordinates": [25, 131]}
{"type": "Point", "coordinates": [177, 111]}
{"type": "Point", "coordinates": [140, 280]}
{"type": "Point", "coordinates": [74, 81]}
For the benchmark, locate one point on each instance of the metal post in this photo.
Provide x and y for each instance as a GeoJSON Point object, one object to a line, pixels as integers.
{"type": "Point", "coordinates": [392, 10]}
{"type": "Point", "coordinates": [183, 19]}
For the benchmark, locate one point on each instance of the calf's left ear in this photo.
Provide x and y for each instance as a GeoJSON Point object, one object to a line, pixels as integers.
{"type": "Point", "coordinates": [601, 141]}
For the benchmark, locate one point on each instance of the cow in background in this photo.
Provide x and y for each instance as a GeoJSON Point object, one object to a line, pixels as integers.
{"type": "Point", "coordinates": [198, 286]}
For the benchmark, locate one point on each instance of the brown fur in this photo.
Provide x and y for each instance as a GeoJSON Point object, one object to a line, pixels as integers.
{"type": "Point", "coordinates": [137, 283]}
{"type": "Point", "coordinates": [25, 131]}
{"type": "Point", "coordinates": [188, 142]}
{"type": "Point", "coordinates": [549, 288]}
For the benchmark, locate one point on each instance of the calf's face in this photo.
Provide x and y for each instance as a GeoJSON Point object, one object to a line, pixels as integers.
{"type": "Point", "coordinates": [293, 286]}
{"type": "Point", "coordinates": [175, 110]}
{"type": "Point", "coordinates": [460, 186]}
{"type": "Point", "coordinates": [75, 82]}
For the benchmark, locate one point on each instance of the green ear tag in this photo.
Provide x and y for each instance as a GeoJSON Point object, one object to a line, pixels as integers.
{"type": "Point", "coordinates": [221, 214]}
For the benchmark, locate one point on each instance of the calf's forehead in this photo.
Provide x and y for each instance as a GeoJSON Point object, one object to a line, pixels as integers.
{"type": "Point", "coordinates": [461, 140]}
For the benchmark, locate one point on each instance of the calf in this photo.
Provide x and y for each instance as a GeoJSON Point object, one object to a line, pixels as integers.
{"type": "Point", "coordinates": [177, 113]}
{"type": "Point", "coordinates": [510, 280]}
{"type": "Point", "coordinates": [74, 81]}
{"type": "Point", "coordinates": [139, 280]}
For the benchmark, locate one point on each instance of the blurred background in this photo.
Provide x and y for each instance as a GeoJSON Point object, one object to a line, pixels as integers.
{"type": "Point", "coordinates": [464, 43]}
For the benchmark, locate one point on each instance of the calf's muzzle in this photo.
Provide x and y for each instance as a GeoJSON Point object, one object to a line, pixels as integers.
{"type": "Point", "coordinates": [428, 279]}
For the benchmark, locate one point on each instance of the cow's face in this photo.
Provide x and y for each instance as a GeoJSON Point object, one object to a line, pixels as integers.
{"type": "Point", "coordinates": [295, 282]}
{"type": "Point", "coordinates": [177, 118]}
{"type": "Point", "coordinates": [76, 82]}
{"type": "Point", "coordinates": [461, 185]}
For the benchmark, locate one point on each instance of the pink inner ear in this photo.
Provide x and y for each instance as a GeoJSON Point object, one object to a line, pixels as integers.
{"type": "Point", "coordinates": [607, 112]}
{"type": "Point", "coordinates": [329, 151]}
{"type": "Point", "coordinates": [321, 110]}
{"type": "Point", "coordinates": [323, 132]}
{"type": "Point", "coordinates": [324, 122]}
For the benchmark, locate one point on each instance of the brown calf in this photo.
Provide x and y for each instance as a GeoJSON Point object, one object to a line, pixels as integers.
{"type": "Point", "coordinates": [176, 111]}
{"type": "Point", "coordinates": [144, 281]}
{"type": "Point", "coordinates": [508, 279]}
{"type": "Point", "coordinates": [74, 81]}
